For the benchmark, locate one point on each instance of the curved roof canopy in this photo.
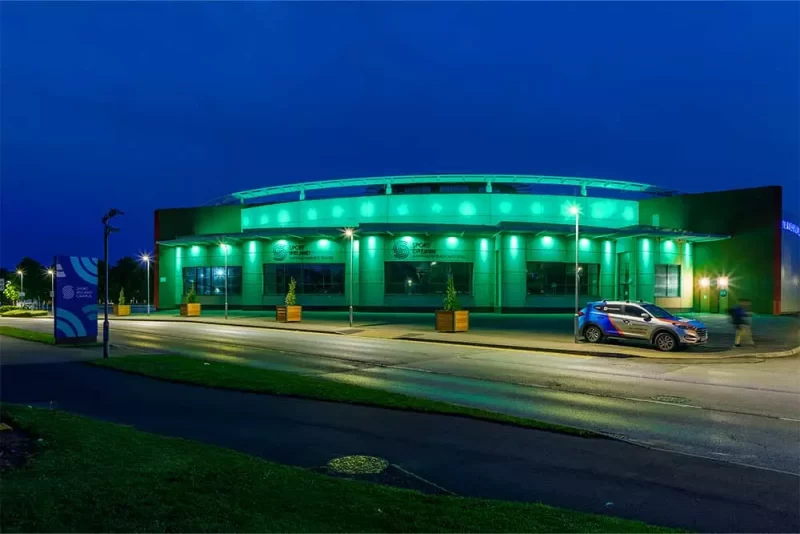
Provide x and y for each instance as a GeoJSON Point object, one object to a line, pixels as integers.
{"type": "Point", "coordinates": [389, 181]}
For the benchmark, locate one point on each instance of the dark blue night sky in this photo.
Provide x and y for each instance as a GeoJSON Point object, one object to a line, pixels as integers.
{"type": "Point", "coordinates": [150, 105]}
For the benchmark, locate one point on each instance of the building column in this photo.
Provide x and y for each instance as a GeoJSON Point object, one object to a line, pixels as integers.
{"type": "Point", "coordinates": [514, 271]}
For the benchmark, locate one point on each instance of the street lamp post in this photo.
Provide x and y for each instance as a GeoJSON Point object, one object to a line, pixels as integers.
{"type": "Point", "coordinates": [225, 253]}
{"type": "Point", "coordinates": [52, 273]}
{"type": "Point", "coordinates": [575, 210]}
{"type": "Point", "coordinates": [146, 259]}
{"type": "Point", "coordinates": [21, 274]}
{"type": "Point", "coordinates": [349, 232]}
{"type": "Point", "coordinates": [107, 230]}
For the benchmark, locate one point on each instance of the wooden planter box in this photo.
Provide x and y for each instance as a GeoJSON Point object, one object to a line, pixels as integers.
{"type": "Point", "coordinates": [122, 309]}
{"type": "Point", "coordinates": [288, 314]}
{"type": "Point", "coordinates": [452, 321]}
{"type": "Point", "coordinates": [190, 310]}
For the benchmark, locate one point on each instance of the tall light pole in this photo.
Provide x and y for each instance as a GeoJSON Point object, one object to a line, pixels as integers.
{"type": "Point", "coordinates": [52, 274]}
{"type": "Point", "coordinates": [576, 211]}
{"type": "Point", "coordinates": [107, 230]}
{"type": "Point", "coordinates": [21, 274]}
{"type": "Point", "coordinates": [225, 253]}
{"type": "Point", "coordinates": [349, 233]}
{"type": "Point", "coordinates": [146, 259]}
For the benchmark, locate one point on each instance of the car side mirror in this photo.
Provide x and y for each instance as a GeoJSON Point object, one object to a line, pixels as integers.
{"type": "Point", "coordinates": [646, 316]}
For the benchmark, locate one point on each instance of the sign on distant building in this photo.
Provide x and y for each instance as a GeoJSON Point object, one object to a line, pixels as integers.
{"type": "Point", "coordinates": [75, 299]}
{"type": "Point", "coordinates": [791, 227]}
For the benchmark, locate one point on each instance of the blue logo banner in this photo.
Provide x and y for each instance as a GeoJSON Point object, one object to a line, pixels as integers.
{"type": "Point", "coordinates": [75, 301]}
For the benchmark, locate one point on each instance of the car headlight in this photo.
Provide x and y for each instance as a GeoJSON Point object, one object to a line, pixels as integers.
{"type": "Point", "coordinates": [686, 327]}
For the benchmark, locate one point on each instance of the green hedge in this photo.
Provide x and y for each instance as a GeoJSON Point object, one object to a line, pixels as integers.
{"type": "Point", "coordinates": [4, 309]}
{"type": "Point", "coordinates": [24, 313]}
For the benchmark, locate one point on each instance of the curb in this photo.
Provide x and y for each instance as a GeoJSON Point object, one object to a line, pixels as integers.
{"type": "Point", "coordinates": [575, 352]}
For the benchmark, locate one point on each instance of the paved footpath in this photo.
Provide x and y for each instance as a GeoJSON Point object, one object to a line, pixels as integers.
{"type": "Point", "coordinates": [464, 456]}
{"type": "Point", "coordinates": [775, 336]}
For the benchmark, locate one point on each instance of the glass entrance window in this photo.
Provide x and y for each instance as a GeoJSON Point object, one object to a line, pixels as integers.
{"type": "Point", "coordinates": [426, 278]}
{"type": "Point", "coordinates": [558, 278]}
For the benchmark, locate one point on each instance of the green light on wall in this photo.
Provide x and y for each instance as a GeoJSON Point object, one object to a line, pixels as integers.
{"type": "Point", "coordinates": [537, 208]}
{"type": "Point", "coordinates": [669, 245]}
{"type": "Point", "coordinates": [506, 207]}
{"type": "Point", "coordinates": [195, 250]}
{"type": "Point", "coordinates": [584, 243]}
{"type": "Point", "coordinates": [452, 242]}
{"type": "Point", "coordinates": [337, 211]}
{"type": "Point", "coordinates": [436, 208]}
{"type": "Point", "coordinates": [284, 217]}
{"type": "Point", "coordinates": [264, 220]}
{"type": "Point", "coordinates": [324, 243]}
{"type": "Point", "coordinates": [408, 239]}
{"type": "Point", "coordinates": [514, 241]}
{"type": "Point", "coordinates": [402, 209]}
{"type": "Point", "coordinates": [252, 247]}
{"type": "Point", "coordinates": [645, 245]}
{"type": "Point", "coordinates": [367, 209]}
{"type": "Point", "coordinates": [607, 247]}
{"type": "Point", "coordinates": [311, 214]}
{"type": "Point", "coordinates": [467, 209]}
{"type": "Point", "coordinates": [547, 241]}
{"type": "Point", "coordinates": [371, 242]}
{"type": "Point", "coordinates": [628, 214]}
{"type": "Point", "coordinates": [246, 221]}
{"type": "Point", "coordinates": [484, 244]}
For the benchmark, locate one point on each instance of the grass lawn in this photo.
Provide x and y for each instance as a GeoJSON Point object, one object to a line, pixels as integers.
{"type": "Point", "coordinates": [30, 335]}
{"type": "Point", "coordinates": [92, 476]}
{"type": "Point", "coordinates": [244, 378]}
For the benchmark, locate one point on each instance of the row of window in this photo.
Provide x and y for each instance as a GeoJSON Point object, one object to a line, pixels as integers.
{"type": "Point", "coordinates": [414, 278]}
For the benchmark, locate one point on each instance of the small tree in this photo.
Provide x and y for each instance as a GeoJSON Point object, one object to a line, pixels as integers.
{"type": "Point", "coordinates": [291, 295]}
{"type": "Point", "coordinates": [191, 296]}
{"type": "Point", "coordinates": [121, 297]}
{"type": "Point", "coordinates": [11, 293]}
{"type": "Point", "coordinates": [451, 296]}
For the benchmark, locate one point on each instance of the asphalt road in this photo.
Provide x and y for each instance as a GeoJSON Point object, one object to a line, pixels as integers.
{"type": "Point", "coordinates": [464, 456]}
{"type": "Point", "coordinates": [744, 412]}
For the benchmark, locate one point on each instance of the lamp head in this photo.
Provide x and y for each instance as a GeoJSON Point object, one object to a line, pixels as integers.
{"type": "Point", "coordinates": [574, 210]}
{"type": "Point", "coordinates": [348, 232]}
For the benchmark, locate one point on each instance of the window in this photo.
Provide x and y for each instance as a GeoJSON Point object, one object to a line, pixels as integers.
{"type": "Point", "coordinates": [632, 311]}
{"type": "Point", "coordinates": [657, 312]}
{"type": "Point", "coordinates": [426, 278]}
{"type": "Point", "coordinates": [210, 281]}
{"type": "Point", "coordinates": [668, 281]}
{"type": "Point", "coordinates": [558, 278]}
{"type": "Point", "coordinates": [311, 278]}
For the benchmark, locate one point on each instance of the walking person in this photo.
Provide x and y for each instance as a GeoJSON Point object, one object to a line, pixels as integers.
{"type": "Point", "coordinates": [741, 317]}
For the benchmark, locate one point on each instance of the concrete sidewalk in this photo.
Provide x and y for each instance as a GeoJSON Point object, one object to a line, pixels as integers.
{"type": "Point", "coordinates": [774, 336]}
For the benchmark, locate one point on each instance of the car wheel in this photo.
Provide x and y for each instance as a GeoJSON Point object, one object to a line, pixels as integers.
{"type": "Point", "coordinates": [665, 342]}
{"type": "Point", "coordinates": [593, 334]}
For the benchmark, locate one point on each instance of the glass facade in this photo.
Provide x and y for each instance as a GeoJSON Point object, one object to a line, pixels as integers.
{"type": "Point", "coordinates": [668, 281]}
{"type": "Point", "coordinates": [558, 278]}
{"type": "Point", "coordinates": [311, 278]}
{"type": "Point", "coordinates": [210, 281]}
{"type": "Point", "coordinates": [426, 278]}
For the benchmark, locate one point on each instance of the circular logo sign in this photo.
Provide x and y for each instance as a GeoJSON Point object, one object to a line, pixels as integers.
{"type": "Point", "coordinates": [723, 293]}
{"type": "Point", "coordinates": [400, 249]}
{"type": "Point", "coordinates": [279, 252]}
{"type": "Point", "coordinates": [67, 292]}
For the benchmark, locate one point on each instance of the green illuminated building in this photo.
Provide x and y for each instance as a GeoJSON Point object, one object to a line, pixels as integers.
{"type": "Point", "coordinates": [508, 241]}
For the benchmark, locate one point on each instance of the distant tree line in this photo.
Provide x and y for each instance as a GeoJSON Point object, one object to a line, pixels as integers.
{"type": "Point", "coordinates": [128, 274]}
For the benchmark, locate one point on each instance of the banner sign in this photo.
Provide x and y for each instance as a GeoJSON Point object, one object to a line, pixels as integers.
{"type": "Point", "coordinates": [75, 299]}
{"type": "Point", "coordinates": [419, 250]}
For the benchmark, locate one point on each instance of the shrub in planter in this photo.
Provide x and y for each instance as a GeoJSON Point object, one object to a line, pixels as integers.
{"type": "Point", "coordinates": [452, 318]}
{"type": "Point", "coordinates": [291, 312]}
{"type": "Point", "coordinates": [4, 309]}
{"type": "Point", "coordinates": [190, 307]}
{"type": "Point", "coordinates": [120, 308]}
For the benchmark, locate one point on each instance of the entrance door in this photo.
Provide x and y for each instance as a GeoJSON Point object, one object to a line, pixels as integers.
{"type": "Point", "coordinates": [624, 276]}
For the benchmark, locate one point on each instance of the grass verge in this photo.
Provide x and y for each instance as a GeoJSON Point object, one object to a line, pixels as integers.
{"type": "Point", "coordinates": [237, 377]}
{"type": "Point", "coordinates": [29, 335]}
{"type": "Point", "coordinates": [93, 476]}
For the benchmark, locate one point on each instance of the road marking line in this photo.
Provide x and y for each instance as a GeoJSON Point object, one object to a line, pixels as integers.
{"type": "Point", "coordinates": [409, 473]}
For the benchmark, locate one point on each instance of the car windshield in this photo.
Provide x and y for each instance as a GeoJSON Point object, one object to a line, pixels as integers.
{"type": "Point", "coordinates": [658, 313]}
